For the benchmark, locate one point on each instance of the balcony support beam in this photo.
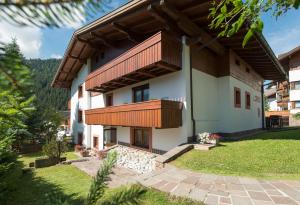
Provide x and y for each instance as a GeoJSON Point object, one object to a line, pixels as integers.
{"type": "Point", "coordinates": [104, 40]}
{"type": "Point", "coordinates": [146, 74]}
{"type": "Point", "coordinates": [130, 35]}
{"type": "Point", "coordinates": [192, 29]}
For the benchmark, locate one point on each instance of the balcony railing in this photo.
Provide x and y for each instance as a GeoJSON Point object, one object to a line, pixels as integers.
{"type": "Point", "coordinates": [156, 56]}
{"type": "Point", "coordinates": [154, 113]}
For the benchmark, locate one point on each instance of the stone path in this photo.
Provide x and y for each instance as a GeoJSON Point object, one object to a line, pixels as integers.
{"type": "Point", "coordinates": [215, 189]}
{"type": "Point", "coordinates": [120, 176]}
{"type": "Point", "coordinates": [209, 188]}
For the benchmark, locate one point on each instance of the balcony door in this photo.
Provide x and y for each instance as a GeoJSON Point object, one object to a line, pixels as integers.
{"type": "Point", "coordinates": [110, 137]}
{"type": "Point", "coordinates": [140, 93]}
{"type": "Point", "coordinates": [141, 137]}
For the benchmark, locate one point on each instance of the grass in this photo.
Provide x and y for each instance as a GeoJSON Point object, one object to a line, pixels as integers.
{"type": "Point", "coordinates": [72, 184]}
{"type": "Point", "coordinates": [268, 155]}
{"type": "Point", "coordinates": [27, 158]}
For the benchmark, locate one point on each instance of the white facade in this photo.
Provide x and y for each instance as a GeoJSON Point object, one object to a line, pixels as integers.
{"type": "Point", "coordinates": [213, 105]}
{"type": "Point", "coordinates": [294, 77]}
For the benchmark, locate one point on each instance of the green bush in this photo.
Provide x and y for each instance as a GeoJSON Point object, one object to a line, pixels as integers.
{"type": "Point", "coordinates": [54, 149]}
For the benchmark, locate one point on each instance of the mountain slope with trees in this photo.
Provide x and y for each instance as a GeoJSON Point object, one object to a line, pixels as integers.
{"type": "Point", "coordinates": [43, 72]}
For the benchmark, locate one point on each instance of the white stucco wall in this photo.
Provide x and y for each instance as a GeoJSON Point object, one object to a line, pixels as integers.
{"type": "Point", "coordinates": [294, 75]}
{"type": "Point", "coordinates": [234, 119]}
{"type": "Point", "coordinates": [294, 95]}
{"type": "Point", "coordinates": [84, 103]}
{"type": "Point", "coordinates": [273, 104]}
{"type": "Point", "coordinates": [214, 109]}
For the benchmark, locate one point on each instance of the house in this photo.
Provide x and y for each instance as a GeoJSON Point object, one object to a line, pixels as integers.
{"type": "Point", "coordinates": [152, 75]}
{"type": "Point", "coordinates": [271, 98]}
{"type": "Point", "coordinates": [277, 96]}
{"type": "Point", "coordinates": [291, 62]}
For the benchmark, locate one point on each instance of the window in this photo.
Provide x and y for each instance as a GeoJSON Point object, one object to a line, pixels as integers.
{"type": "Point", "coordinates": [110, 136]}
{"type": "Point", "coordinates": [237, 97]}
{"type": "Point", "coordinates": [109, 100]}
{"type": "Point", "coordinates": [141, 137]}
{"type": "Point", "coordinates": [80, 138]}
{"type": "Point", "coordinates": [95, 142]}
{"type": "Point", "coordinates": [141, 93]}
{"type": "Point", "coordinates": [80, 91]}
{"type": "Point", "coordinates": [297, 104]}
{"type": "Point", "coordinates": [80, 116]}
{"type": "Point", "coordinates": [248, 100]}
{"type": "Point", "coordinates": [297, 85]}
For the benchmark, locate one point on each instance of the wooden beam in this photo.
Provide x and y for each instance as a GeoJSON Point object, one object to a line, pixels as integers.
{"type": "Point", "coordinates": [195, 40]}
{"type": "Point", "coordinates": [130, 35]}
{"type": "Point", "coordinates": [81, 60]}
{"type": "Point", "coordinates": [146, 74]}
{"type": "Point", "coordinates": [192, 29]}
{"type": "Point", "coordinates": [167, 67]}
{"type": "Point", "coordinates": [168, 23]}
{"type": "Point", "coordinates": [104, 40]}
{"type": "Point", "coordinates": [130, 79]}
{"type": "Point", "coordinates": [118, 83]}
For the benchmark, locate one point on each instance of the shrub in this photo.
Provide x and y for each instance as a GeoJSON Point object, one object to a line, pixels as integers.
{"type": "Point", "coordinates": [54, 149]}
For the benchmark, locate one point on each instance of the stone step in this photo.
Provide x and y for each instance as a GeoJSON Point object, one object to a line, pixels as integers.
{"type": "Point", "coordinates": [172, 154]}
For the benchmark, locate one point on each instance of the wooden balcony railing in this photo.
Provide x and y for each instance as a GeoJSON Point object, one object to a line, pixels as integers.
{"type": "Point", "coordinates": [156, 56]}
{"type": "Point", "coordinates": [154, 113]}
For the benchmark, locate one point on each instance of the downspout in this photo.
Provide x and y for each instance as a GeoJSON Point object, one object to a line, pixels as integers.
{"type": "Point", "coordinates": [262, 107]}
{"type": "Point", "coordinates": [192, 98]}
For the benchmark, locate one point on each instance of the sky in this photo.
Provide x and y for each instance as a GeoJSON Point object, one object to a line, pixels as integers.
{"type": "Point", "coordinates": [283, 34]}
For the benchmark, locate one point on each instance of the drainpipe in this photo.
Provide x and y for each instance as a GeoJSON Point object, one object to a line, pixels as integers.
{"type": "Point", "coordinates": [262, 107]}
{"type": "Point", "coordinates": [191, 92]}
{"type": "Point", "coordinates": [192, 97]}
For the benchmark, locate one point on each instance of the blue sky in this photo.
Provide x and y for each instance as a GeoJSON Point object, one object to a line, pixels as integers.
{"type": "Point", "coordinates": [282, 34]}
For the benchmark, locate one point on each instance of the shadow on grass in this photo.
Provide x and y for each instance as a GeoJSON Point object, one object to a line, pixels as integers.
{"type": "Point", "coordinates": [36, 191]}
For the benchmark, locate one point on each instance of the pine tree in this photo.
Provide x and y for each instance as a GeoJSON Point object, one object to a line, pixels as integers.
{"type": "Point", "coordinates": [16, 103]}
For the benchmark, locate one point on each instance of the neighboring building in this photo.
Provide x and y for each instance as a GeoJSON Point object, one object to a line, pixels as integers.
{"type": "Point", "coordinates": [282, 95]}
{"type": "Point", "coordinates": [151, 75]}
{"type": "Point", "coordinates": [270, 94]}
{"type": "Point", "coordinates": [278, 96]}
{"type": "Point", "coordinates": [291, 61]}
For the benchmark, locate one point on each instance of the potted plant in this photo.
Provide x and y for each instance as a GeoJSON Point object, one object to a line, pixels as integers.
{"type": "Point", "coordinates": [84, 153]}
{"type": "Point", "coordinates": [78, 147]}
{"type": "Point", "coordinates": [214, 139]}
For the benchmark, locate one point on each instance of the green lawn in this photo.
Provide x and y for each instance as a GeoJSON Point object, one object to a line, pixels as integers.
{"type": "Point", "coordinates": [267, 155]}
{"type": "Point", "coordinates": [27, 158]}
{"type": "Point", "coordinates": [71, 183]}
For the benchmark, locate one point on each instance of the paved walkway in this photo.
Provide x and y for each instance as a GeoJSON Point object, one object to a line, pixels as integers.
{"type": "Point", "coordinates": [209, 188]}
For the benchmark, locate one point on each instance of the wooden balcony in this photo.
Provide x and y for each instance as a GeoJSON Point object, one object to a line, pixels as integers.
{"type": "Point", "coordinates": [156, 56]}
{"type": "Point", "coordinates": [154, 113]}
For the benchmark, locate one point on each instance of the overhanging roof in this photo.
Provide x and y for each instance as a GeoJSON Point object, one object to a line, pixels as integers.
{"type": "Point", "coordinates": [139, 19]}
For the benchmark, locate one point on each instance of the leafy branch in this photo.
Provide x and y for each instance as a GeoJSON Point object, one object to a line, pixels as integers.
{"type": "Point", "coordinates": [231, 15]}
{"type": "Point", "coordinates": [49, 13]}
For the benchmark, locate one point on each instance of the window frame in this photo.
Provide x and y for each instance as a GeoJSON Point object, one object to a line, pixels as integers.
{"type": "Point", "coordinates": [80, 91]}
{"type": "Point", "coordinates": [247, 106]}
{"type": "Point", "coordinates": [106, 99]}
{"type": "Point", "coordinates": [80, 116]}
{"type": "Point", "coordinates": [237, 105]}
{"type": "Point", "coordinates": [132, 138]}
{"type": "Point", "coordinates": [140, 88]}
{"type": "Point", "coordinates": [96, 142]}
{"type": "Point", "coordinates": [296, 107]}
{"type": "Point", "coordinates": [80, 136]}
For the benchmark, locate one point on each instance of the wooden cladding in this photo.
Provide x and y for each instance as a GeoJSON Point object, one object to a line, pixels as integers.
{"type": "Point", "coordinates": [158, 55]}
{"type": "Point", "coordinates": [154, 113]}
